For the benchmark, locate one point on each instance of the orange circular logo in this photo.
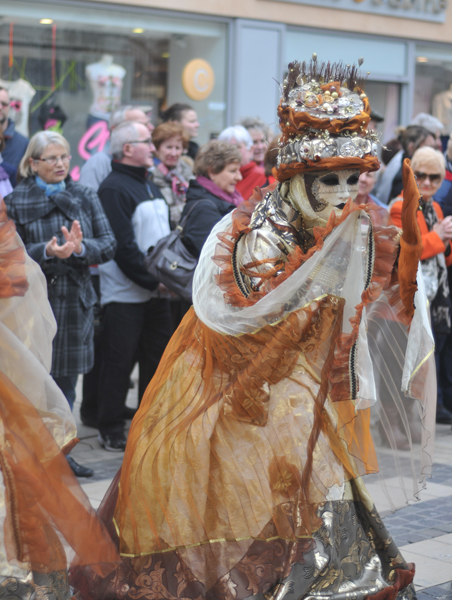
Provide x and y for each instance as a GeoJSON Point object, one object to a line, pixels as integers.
{"type": "Point", "coordinates": [198, 79]}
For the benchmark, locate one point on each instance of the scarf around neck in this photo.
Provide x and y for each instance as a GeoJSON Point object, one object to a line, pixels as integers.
{"type": "Point", "coordinates": [50, 188]}
{"type": "Point", "coordinates": [235, 198]}
{"type": "Point", "coordinates": [434, 271]}
{"type": "Point", "coordinates": [179, 185]}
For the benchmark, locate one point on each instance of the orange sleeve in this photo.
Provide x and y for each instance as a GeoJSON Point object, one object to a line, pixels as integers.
{"type": "Point", "coordinates": [431, 241]}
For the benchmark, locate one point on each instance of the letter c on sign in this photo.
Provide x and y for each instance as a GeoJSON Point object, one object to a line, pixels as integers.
{"type": "Point", "coordinates": [198, 79]}
{"type": "Point", "coordinates": [201, 75]}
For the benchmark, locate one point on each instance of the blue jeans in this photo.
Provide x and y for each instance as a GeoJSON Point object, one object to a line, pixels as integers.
{"type": "Point", "coordinates": [67, 384]}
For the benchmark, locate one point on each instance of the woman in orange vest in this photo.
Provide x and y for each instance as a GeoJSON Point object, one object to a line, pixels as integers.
{"type": "Point", "coordinates": [429, 168]}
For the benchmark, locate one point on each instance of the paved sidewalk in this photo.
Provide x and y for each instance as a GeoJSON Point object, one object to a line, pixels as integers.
{"type": "Point", "coordinates": [423, 531]}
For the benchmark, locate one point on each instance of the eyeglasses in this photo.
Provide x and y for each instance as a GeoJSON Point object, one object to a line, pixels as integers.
{"type": "Point", "coordinates": [53, 160]}
{"type": "Point", "coordinates": [148, 141]}
{"type": "Point", "coordinates": [435, 178]}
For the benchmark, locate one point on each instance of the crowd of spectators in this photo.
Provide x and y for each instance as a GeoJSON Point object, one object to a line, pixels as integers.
{"type": "Point", "coordinates": [91, 237]}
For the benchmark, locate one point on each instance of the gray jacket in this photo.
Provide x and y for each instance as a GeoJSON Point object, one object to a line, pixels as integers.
{"type": "Point", "coordinates": [95, 170]}
{"type": "Point", "coordinates": [38, 218]}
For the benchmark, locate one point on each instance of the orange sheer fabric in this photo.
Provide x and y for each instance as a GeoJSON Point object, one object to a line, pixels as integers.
{"type": "Point", "coordinates": [43, 495]}
{"type": "Point", "coordinates": [221, 451]}
{"type": "Point", "coordinates": [13, 280]}
{"type": "Point", "coordinates": [47, 512]}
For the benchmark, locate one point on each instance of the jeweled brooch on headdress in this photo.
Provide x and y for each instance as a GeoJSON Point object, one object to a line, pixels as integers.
{"type": "Point", "coordinates": [323, 117]}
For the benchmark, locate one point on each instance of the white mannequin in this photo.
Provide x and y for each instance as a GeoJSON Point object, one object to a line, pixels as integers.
{"type": "Point", "coordinates": [19, 90]}
{"type": "Point", "coordinates": [442, 109]}
{"type": "Point", "coordinates": [106, 80]}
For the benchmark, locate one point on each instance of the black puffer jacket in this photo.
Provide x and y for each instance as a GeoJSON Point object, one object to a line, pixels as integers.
{"type": "Point", "coordinates": [203, 217]}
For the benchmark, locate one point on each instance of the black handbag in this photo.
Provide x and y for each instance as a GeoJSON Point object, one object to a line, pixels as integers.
{"type": "Point", "coordinates": [171, 263]}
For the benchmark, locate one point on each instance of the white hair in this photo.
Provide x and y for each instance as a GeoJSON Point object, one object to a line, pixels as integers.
{"type": "Point", "coordinates": [36, 147]}
{"type": "Point", "coordinates": [118, 116]}
{"type": "Point", "coordinates": [237, 133]}
{"type": "Point", "coordinates": [428, 122]}
{"type": "Point", "coordinates": [123, 133]}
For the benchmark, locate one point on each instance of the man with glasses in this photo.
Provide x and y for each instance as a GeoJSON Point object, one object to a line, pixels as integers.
{"type": "Point", "coordinates": [136, 313]}
{"type": "Point", "coordinates": [15, 142]}
{"type": "Point", "coordinates": [92, 174]}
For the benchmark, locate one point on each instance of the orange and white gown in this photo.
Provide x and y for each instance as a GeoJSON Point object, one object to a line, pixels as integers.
{"type": "Point", "coordinates": [243, 472]}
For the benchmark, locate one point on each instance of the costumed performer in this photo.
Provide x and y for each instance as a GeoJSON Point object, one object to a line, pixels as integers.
{"type": "Point", "coordinates": [46, 519]}
{"type": "Point", "coordinates": [242, 472]}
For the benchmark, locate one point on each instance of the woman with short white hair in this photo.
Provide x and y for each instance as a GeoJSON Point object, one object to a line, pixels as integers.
{"type": "Point", "coordinates": [64, 229]}
{"type": "Point", "coordinates": [430, 168]}
{"type": "Point", "coordinates": [252, 175]}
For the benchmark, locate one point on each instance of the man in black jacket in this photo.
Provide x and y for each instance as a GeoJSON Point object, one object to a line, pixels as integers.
{"type": "Point", "coordinates": [136, 320]}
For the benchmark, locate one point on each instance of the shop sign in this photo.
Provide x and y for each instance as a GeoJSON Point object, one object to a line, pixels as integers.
{"type": "Point", "coordinates": [424, 10]}
{"type": "Point", "coordinates": [198, 79]}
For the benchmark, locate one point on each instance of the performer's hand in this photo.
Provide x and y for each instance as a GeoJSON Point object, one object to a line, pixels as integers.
{"type": "Point", "coordinates": [411, 241]}
{"type": "Point", "coordinates": [64, 251]}
{"type": "Point", "coordinates": [75, 236]}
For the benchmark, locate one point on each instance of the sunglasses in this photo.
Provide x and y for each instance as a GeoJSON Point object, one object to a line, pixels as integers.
{"type": "Point", "coordinates": [435, 178]}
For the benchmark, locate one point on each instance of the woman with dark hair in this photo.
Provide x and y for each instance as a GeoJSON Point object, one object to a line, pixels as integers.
{"type": "Point", "coordinates": [171, 172]}
{"type": "Point", "coordinates": [187, 117]}
{"type": "Point", "coordinates": [411, 138]}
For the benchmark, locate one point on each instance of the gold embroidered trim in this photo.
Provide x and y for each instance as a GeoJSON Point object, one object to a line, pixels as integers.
{"type": "Point", "coordinates": [242, 539]}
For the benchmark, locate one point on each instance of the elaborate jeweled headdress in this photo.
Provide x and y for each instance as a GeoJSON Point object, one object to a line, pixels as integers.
{"type": "Point", "coordinates": [323, 116]}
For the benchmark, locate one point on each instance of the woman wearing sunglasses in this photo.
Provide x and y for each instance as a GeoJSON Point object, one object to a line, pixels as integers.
{"type": "Point", "coordinates": [64, 229]}
{"type": "Point", "coordinates": [429, 168]}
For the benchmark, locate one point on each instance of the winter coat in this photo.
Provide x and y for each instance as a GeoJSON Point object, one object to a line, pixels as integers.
{"type": "Point", "coordinates": [203, 217]}
{"type": "Point", "coordinates": [431, 242]}
{"type": "Point", "coordinates": [15, 146]}
{"type": "Point", "coordinates": [253, 176]}
{"type": "Point", "coordinates": [38, 218]}
{"type": "Point", "coordinates": [444, 195]}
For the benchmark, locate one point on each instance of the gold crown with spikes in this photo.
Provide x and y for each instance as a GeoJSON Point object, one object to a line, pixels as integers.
{"type": "Point", "coordinates": [323, 116]}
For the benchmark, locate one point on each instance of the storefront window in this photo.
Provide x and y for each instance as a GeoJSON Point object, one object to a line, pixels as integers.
{"type": "Point", "coordinates": [75, 64]}
{"type": "Point", "coordinates": [385, 64]}
{"type": "Point", "coordinates": [433, 85]}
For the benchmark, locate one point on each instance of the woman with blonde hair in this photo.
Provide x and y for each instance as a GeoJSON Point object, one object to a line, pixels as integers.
{"type": "Point", "coordinates": [64, 229]}
{"type": "Point", "coordinates": [429, 168]}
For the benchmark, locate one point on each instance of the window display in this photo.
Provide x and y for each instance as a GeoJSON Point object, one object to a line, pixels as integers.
{"type": "Point", "coordinates": [433, 84]}
{"type": "Point", "coordinates": [89, 62]}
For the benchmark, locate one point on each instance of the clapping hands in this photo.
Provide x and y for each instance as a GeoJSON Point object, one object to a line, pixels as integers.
{"type": "Point", "coordinates": [444, 229]}
{"type": "Point", "coordinates": [73, 238]}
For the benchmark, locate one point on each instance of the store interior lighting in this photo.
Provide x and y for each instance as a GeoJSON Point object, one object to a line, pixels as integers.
{"type": "Point", "coordinates": [137, 30]}
{"type": "Point", "coordinates": [46, 21]}
{"type": "Point", "coordinates": [422, 59]}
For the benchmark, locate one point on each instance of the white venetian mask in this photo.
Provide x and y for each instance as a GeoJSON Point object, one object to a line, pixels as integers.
{"type": "Point", "coordinates": [316, 195]}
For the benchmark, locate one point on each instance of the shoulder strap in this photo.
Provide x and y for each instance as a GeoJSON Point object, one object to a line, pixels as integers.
{"type": "Point", "coordinates": [182, 224]}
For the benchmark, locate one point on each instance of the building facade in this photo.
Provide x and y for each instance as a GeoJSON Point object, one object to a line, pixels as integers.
{"type": "Point", "coordinates": [79, 58]}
